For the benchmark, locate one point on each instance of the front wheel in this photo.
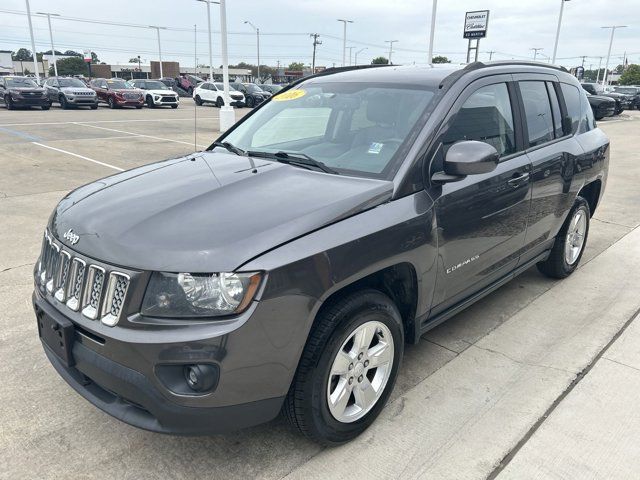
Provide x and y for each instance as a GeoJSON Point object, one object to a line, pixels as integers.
{"type": "Point", "coordinates": [569, 245]}
{"type": "Point", "coordinates": [63, 102]}
{"type": "Point", "coordinates": [220, 102]}
{"type": "Point", "coordinates": [8, 101]}
{"type": "Point", "coordinates": [348, 368]}
{"type": "Point", "coordinates": [174, 106]}
{"type": "Point", "coordinates": [198, 100]}
{"type": "Point", "coordinates": [45, 107]}
{"type": "Point", "coordinates": [150, 103]}
{"type": "Point", "coordinates": [111, 102]}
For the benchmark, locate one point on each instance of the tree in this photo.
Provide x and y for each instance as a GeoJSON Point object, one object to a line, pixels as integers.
{"type": "Point", "coordinates": [296, 66]}
{"type": "Point", "coordinates": [94, 57]}
{"type": "Point", "coordinates": [72, 53]}
{"type": "Point", "coordinates": [22, 55]}
{"type": "Point", "coordinates": [631, 75]}
{"type": "Point", "coordinates": [380, 61]}
{"type": "Point", "coordinates": [440, 59]}
{"type": "Point", "coordinates": [70, 66]}
{"type": "Point", "coordinates": [48, 52]}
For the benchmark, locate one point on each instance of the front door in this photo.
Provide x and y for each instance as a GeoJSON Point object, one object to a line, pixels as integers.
{"type": "Point", "coordinates": [482, 219]}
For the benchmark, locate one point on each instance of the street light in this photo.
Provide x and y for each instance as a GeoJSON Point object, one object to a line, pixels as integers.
{"type": "Point", "coordinates": [344, 40]}
{"type": "Point", "coordinates": [258, 43]}
{"type": "Point", "coordinates": [390, 42]}
{"type": "Point", "coordinates": [33, 43]}
{"type": "Point", "coordinates": [350, 51]}
{"type": "Point", "coordinates": [159, 49]}
{"type": "Point", "coordinates": [555, 46]}
{"type": "Point", "coordinates": [53, 49]}
{"type": "Point", "coordinates": [606, 65]}
{"type": "Point", "coordinates": [433, 28]}
{"type": "Point", "coordinates": [227, 115]}
{"type": "Point", "coordinates": [535, 52]}
{"type": "Point", "coordinates": [359, 51]}
{"type": "Point", "coordinates": [209, 2]}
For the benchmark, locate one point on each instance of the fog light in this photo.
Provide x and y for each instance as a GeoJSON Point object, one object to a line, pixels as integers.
{"type": "Point", "coordinates": [200, 378]}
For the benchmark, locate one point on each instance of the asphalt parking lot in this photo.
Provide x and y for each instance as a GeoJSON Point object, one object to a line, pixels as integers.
{"type": "Point", "coordinates": [541, 375]}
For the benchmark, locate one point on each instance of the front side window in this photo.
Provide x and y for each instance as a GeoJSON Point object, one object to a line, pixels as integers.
{"type": "Point", "coordinates": [537, 111]}
{"type": "Point", "coordinates": [485, 116]}
{"type": "Point", "coordinates": [572, 101]}
{"type": "Point", "coordinates": [354, 128]}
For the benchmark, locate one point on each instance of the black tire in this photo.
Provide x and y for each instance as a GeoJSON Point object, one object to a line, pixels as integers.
{"type": "Point", "coordinates": [250, 102]}
{"type": "Point", "coordinates": [45, 107]}
{"type": "Point", "coordinates": [112, 103]}
{"type": "Point", "coordinates": [306, 406]}
{"type": "Point", "coordinates": [150, 103]}
{"type": "Point", "coordinates": [220, 102]}
{"type": "Point", "coordinates": [556, 265]}
{"type": "Point", "coordinates": [138, 107]}
{"type": "Point", "coordinates": [198, 100]}
{"type": "Point", "coordinates": [8, 102]}
{"type": "Point", "coordinates": [94, 107]}
{"type": "Point", "coordinates": [190, 91]}
{"type": "Point", "coordinates": [63, 102]}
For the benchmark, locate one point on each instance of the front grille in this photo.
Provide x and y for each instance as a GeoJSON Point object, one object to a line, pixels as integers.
{"type": "Point", "coordinates": [169, 99]}
{"type": "Point", "coordinates": [131, 96]}
{"type": "Point", "coordinates": [80, 285]}
{"type": "Point", "coordinates": [83, 93]}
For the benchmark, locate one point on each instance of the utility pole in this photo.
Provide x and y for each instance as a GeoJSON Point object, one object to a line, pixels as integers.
{"type": "Point", "coordinates": [606, 65]}
{"type": "Point", "coordinates": [208, 2]}
{"type": "Point", "coordinates": [359, 51]}
{"type": "Point", "coordinates": [344, 40]}
{"type": "Point", "coordinates": [258, 44]}
{"type": "Point", "coordinates": [227, 115]}
{"type": "Point", "coordinates": [316, 42]}
{"type": "Point", "coordinates": [599, 67]}
{"type": "Point", "coordinates": [555, 45]}
{"type": "Point", "coordinates": [350, 50]}
{"type": "Point", "coordinates": [582, 57]}
{"type": "Point", "coordinates": [390, 42]}
{"type": "Point", "coordinates": [491, 52]}
{"type": "Point", "coordinates": [159, 48]}
{"type": "Point", "coordinates": [434, 7]}
{"type": "Point", "coordinates": [33, 43]}
{"type": "Point", "coordinates": [53, 49]}
{"type": "Point", "coordinates": [535, 52]}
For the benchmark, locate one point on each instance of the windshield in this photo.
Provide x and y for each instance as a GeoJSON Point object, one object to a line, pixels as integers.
{"type": "Point", "coordinates": [627, 90]}
{"type": "Point", "coordinates": [71, 82]}
{"type": "Point", "coordinates": [353, 128]}
{"type": "Point", "coordinates": [254, 88]}
{"type": "Point", "coordinates": [116, 84]}
{"type": "Point", "coordinates": [21, 83]}
{"type": "Point", "coordinates": [155, 85]}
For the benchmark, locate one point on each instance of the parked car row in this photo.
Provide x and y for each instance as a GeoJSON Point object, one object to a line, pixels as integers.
{"type": "Point", "coordinates": [242, 94]}
{"type": "Point", "coordinates": [601, 106]}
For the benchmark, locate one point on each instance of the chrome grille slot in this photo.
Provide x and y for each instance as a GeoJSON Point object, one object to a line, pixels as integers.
{"type": "Point", "coordinates": [75, 284]}
{"type": "Point", "coordinates": [44, 255]}
{"type": "Point", "coordinates": [62, 276]}
{"type": "Point", "coordinates": [93, 292]}
{"type": "Point", "coordinates": [114, 299]}
{"type": "Point", "coordinates": [53, 263]}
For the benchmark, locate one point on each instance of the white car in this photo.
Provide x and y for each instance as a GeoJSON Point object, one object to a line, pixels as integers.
{"type": "Point", "coordinates": [213, 92]}
{"type": "Point", "coordinates": [156, 93]}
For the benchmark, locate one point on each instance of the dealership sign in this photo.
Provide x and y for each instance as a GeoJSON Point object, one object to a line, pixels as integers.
{"type": "Point", "coordinates": [87, 56]}
{"type": "Point", "coordinates": [476, 23]}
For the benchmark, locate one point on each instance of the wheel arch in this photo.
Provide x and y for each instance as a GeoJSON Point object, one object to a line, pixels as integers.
{"type": "Point", "coordinates": [591, 193]}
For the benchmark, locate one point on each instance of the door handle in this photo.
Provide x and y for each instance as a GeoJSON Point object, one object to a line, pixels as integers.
{"type": "Point", "coordinates": [517, 181]}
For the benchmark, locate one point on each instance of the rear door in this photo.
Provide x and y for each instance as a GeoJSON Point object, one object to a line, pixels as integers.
{"type": "Point", "coordinates": [482, 219]}
{"type": "Point", "coordinates": [553, 153]}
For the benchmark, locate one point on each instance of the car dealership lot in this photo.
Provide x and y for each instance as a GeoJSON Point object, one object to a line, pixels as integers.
{"type": "Point", "coordinates": [467, 395]}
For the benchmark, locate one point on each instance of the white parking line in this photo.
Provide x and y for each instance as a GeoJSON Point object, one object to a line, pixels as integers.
{"type": "Point", "coordinates": [78, 156]}
{"type": "Point", "coordinates": [105, 121]}
{"type": "Point", "coordinates": [138, 134]}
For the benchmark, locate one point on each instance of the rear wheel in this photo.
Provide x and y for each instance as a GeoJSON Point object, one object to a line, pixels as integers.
{"type": "Point", "coordinates": [570, 242]}
{"type": "Point", "coordinates": [348, 368]}
{"type": "Point", "coordinates": [250, 102]}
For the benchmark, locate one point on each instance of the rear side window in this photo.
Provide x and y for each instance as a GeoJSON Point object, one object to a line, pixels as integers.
{"type": "Point", "coordinates": [537, 112]}
{"type": "Point", "coordinates": [555, 108]}
{"type": "Point", "coordinates": [587, 121]}
{"type": "Point", "coordinates": [572, 100]}
{"type": "Point", "coordinates": [485, 116]}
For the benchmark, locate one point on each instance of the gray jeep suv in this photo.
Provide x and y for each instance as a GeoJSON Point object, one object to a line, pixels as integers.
{"type": "Point", "coordinates": [70, 92]}
{"type": "Point", "coordinates": [285, 267]}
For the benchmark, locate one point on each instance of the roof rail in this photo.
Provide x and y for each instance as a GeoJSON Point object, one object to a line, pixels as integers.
{"type": "Point", "coordinates": [526, 63]}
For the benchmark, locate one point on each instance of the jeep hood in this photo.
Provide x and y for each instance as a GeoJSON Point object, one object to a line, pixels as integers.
{"type": "Point", "coordinates": [206, 212]}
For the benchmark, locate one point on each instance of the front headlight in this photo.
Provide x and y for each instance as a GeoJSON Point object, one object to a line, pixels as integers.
{"type": "Point", "coordinates": [183, 295]}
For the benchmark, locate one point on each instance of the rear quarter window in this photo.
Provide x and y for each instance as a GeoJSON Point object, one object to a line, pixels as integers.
{"type": "Point", "coordinates": [572, 99]}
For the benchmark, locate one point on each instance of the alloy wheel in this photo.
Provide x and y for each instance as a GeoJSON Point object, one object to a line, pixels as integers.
{"type": "Point", "coordinates": [575, 236]}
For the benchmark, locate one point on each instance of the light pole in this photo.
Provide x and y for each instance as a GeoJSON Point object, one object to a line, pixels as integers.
{"type": "Point", "coordinates": [33, 43]}
{"type": "Point", "coordinates": [344, 40]}
{"type": "Point", "coordinates": [535, 52]}
{"type": "Point", "coordinates": [209, 2]}
{"type": "Point", "coordinates": [350, 51]}
{"type": "Point", "coordinates": [359, 51]}
{"type": "Point", "coordinates": [227, 115]}
{"type": "Point", "coordinates": [599, 67]}
{"type": "Point", "coordinates": [159, 48]}
{"type": "Point", "coordinates": [432, 31]}
{"type": "Point", "coordinates": [606, 65]}
{"type": "Point", "coordinates": [555, 45]}
{"type": "Point", "coordinates": [53, 49]}
{"type": "Point", "coordinates": [258, 43]}
{"type": "Point", "coordinates": [390, 42]}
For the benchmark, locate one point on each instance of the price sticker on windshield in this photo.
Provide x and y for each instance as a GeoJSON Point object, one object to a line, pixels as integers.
{"type": "Point", "coordinates": [289, 95]}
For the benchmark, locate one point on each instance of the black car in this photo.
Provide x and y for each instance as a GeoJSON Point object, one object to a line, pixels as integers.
{"type": "Point", "coordinates": [623, 102]}
{"type": "Point", "coordinates": [271, 88]}
{"type": "Point", "coordinates": [18, 92]}
{"type": "Point", "coordinates": [602, 106]}
{"type": "Point", "coordinates": [634, 92]}
{"type": "Point", "coordinates": [285, 267]}
{"type": "Point", "coordinates": [253, 94]}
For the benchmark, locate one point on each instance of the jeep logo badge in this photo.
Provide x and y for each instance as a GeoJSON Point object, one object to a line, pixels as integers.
{"type": "Point", "coordinates": [71, 237]}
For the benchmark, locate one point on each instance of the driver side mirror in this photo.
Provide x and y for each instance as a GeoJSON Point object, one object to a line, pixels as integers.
{"type": "Point", "coordinates": [468, 157]}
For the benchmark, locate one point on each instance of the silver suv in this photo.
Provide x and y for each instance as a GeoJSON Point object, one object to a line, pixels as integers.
{"type": "Point", "coordinates": [70, 92]}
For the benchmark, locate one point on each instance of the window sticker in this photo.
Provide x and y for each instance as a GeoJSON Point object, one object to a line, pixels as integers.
{"type": "Point", "coordinates": [289, 95]}
{"type": "Point", "coordinates": [375, 148]}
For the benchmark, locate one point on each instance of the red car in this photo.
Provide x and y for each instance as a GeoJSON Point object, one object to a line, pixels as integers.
{"type": "Point", "coordinates": [117, 92]}
{"type": "Point", "coordinates": [188, 83]}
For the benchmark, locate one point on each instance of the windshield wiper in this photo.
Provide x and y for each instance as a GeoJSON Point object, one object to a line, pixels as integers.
{"type": "Point", "coordinates": [230, 147]}
{"type": "Point", "coordinates": [295, 158]}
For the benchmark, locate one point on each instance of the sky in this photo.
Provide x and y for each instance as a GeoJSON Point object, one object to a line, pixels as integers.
{"type": "Point", "coordinates": [515, 27]}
